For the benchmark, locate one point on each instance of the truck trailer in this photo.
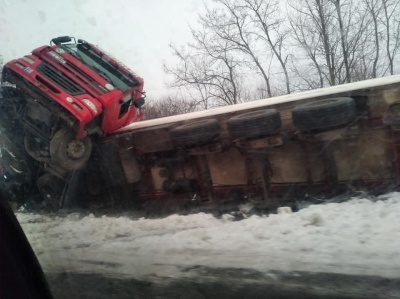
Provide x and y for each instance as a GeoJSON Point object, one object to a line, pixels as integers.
{"type": "Point", "coordinates": [274, 152]}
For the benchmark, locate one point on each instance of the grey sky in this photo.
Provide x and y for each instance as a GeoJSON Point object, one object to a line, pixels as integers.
{"type": "Point", "coordinates": [137, 32]}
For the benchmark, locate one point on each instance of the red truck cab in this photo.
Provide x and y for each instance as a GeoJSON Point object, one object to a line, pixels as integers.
{"type": "Point", "coordinates": [73, 91]}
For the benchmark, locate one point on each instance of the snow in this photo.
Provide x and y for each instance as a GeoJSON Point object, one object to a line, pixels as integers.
{"type": "Point", "coordinates": [357, 237]}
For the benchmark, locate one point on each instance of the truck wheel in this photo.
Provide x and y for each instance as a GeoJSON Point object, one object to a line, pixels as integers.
{"type": "Point", "coordinates": [324, 114]}
{"type": "Point", "coordinates": [51, 190]}
{"type": "Point", "coordinates": [254, 123]}
{"type": "Point", "coordinates": [68, 152]}
{"type": "Point", "coordinates": [195, 133]}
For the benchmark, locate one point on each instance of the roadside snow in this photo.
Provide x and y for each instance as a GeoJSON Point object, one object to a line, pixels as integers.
{"type": "Point", "coordinates": [358, 237]}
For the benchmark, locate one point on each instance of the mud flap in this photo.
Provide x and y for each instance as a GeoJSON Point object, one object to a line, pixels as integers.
{"type": "Point", "coordinates": [117, 191]}
{"type": "Point", "coordinates": [130, 166]}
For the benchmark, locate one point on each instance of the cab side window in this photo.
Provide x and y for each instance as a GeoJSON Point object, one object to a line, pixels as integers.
{"type": "Point", "coordinates": [126, 103]}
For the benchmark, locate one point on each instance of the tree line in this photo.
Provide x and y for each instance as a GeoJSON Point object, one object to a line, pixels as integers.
{"type": "Point", "coordinates": [1, 64]}
{"type": "Point", "coordinates": [244, 50]}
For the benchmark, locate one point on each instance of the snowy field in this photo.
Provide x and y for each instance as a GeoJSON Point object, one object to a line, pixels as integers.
{"type": "Point", "coordinates": [357, 237]}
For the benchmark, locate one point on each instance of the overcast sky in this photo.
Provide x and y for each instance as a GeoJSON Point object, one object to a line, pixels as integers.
{"type": "Point", "coordinates": [138, 32]}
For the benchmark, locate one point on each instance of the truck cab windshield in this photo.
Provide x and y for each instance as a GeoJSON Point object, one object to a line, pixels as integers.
{"type": "Point", "coordinates": [102, 67]}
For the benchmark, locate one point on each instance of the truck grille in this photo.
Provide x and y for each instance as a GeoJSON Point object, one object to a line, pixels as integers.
{"type": "Point", "coordinates": [60, 79]}
{"type": "Point", "coordinates": [90, 79]}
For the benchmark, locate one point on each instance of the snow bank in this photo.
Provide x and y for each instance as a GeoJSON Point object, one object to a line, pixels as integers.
{"type": "Point", "coordinates": [355, 237]}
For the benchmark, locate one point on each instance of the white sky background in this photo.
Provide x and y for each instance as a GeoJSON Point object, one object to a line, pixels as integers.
{"type": "Point", "coordinates": [358, 237]}
{"type": "Point", "coordinates": [137, 32]}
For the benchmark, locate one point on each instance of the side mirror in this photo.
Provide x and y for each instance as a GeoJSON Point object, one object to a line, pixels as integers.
{"type": "Point", "coordinates": [61, 40]}
{"type": "Point", "coordinates": [139, 102]}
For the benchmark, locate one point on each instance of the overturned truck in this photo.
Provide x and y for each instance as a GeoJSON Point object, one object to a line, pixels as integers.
{"type": "Point", "coordinates": [72, 108]}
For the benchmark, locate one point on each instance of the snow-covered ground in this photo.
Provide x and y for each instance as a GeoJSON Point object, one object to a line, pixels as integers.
{"type": "Point", "coordinates": [357, 237]}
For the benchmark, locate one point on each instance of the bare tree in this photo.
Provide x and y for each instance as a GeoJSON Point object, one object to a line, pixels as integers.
{"type": "Point", "coordinates": [266, 16]}
{"type": "Point", "coordinates": [1, 65]}
{"type": "Point", "coordinates": [391, 22]}
{"type": "Point", "coordinates": [344, 33]}
{"type": "Point", "coordinates": [311, 44]}
{"type": "Point", "coordinates": [352, 23]}
{"type": "Point", "coordinates": [374, 8]}
{"type": "Point", "coordinates": [312, 24]}
{"type": "Point", "coordinates": [308, 43]}
{"type": "Point", "coordinates": [231, 23]}
{"type": "Point", "coordinates": [208, 69]}
{"type": "Point", "coordinates": [333, 34]}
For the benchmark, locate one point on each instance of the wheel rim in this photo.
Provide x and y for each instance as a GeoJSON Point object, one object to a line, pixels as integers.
{"type": "Point", "coordinates": [76, 149]}
{"type": "Point", "coordinates": [69, 152]}
{"type": "Point", "coordinates": [48, 193]}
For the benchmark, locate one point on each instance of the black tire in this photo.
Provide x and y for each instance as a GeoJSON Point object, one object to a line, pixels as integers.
{"type": "Point", "coordinates": [51, 189]}
{"type": "Point", "coordinates": [68, 152]}
{"type": "Point", "coordinates": [195, 133]}
{"type": "Point", "coordinates": [324, 114]}
{"type": "Point", "coordinates": [253, 124]}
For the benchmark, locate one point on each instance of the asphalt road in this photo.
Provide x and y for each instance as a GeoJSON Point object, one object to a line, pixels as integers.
{"type": "Point", "coordinates": [204, 282]}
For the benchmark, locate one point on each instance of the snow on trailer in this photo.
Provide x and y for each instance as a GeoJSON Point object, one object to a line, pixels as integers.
{"type": "Point", "coordinates": [270, 152]}
{"type": "Point", "coordinates": [345, 89]}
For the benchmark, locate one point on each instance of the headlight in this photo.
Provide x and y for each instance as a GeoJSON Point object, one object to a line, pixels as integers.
{"type": "Point", "coordinates": [21, 66]}
{"type": "Point", "coordinates": [90, 104]}
{"type": "Point", "coordinates": [30, 60]}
